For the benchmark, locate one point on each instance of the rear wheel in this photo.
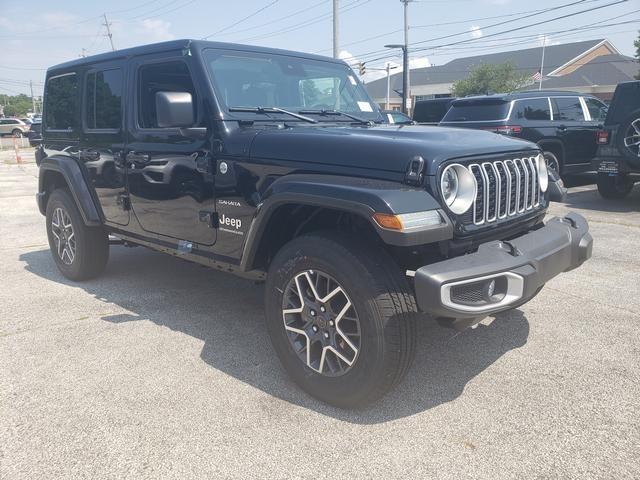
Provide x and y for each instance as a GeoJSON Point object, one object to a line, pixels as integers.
{"type": "Point", "coordinates": [341, 318]}
{"type": "Point", "coordinates": [17, 133]}
{"type": "Point", "coordinates": [80, 252]}
{"type": "Point", "coordinates": [618, 186]}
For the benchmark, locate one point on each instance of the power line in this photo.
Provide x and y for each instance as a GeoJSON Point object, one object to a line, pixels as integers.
{"type": "Point", "coordinates": [291, 28]}
{"type": "Point", "coordinates": [505, 31]}
{"type": "Point", "coordinates": [253, 14]}
{"type": "Point", "coordinates": [466, 32]}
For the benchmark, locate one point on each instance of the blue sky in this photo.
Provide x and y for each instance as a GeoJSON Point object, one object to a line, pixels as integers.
{"type": "Point", "coordinates": [41, 33]}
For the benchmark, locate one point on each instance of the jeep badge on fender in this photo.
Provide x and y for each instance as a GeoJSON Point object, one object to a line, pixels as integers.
{"type": "Point", "coordinates": [277, 166]}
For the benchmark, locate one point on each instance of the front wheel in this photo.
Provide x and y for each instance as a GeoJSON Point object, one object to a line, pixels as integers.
{"type": "Point", "coordinates": [80, 252]}
{"type": "Point", "coordinates": [341, 318]}
{"type": "Point", "coordinates": [618, 186]}
{"type": "Point", "coordinates": [17, 133]}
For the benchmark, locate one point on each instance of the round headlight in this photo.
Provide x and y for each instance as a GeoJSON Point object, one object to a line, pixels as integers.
{"type": "Point", "coordinates": [449, 186]}
{"type": "Point", "coordinates": [459, 188]}
{"type": "Point", "coordinates": [543, 173]}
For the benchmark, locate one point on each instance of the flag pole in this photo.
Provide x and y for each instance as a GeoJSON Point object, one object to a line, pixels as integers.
{"type": "Point", "coordinates": [544, 42]}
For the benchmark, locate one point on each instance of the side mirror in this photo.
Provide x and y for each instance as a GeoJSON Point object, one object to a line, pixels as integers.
{"type": "Point", "coordinates": [174, 109]}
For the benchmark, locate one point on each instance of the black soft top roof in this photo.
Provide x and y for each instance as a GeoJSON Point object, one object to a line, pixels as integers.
{"type": "Point", "coordinates": [179, 45]}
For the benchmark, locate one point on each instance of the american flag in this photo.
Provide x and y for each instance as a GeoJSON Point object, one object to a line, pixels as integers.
{"type": "Point", "coordinates": [536, 76]}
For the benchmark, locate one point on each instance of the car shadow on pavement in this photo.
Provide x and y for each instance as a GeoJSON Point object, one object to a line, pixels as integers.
{"type": "Point", "coordinates": [226, 313]}
{"type": "Point", "coordinates": [591, 200]}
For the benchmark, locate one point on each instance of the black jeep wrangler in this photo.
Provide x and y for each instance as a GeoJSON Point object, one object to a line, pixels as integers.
{"type": "Point", "coordinates": [618, 157]}
{"type": "Point", "coordinates": [277, 165]}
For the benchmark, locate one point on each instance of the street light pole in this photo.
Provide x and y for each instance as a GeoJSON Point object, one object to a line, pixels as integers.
{"type": "Point", "coordinates": [406, 82]}
{"type": "Point", "coordinates": [336, 25]}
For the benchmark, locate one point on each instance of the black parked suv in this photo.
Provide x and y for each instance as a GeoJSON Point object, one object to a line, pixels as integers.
{"type": "Point", "coordinates": [276, 166]}
{"type": "Point", "coordinates": [618, 158]}
{"type": "Point", "coordinates": [432, 110]}
{"type": "Point", "coordinates": [563, 124]}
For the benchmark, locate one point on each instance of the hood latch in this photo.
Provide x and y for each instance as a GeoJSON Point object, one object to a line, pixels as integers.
{"type": "Point", "coordinates": [415, 171]}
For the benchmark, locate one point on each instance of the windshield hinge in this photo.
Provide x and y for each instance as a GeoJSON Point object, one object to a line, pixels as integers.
{"type": "Point", "coordinates": [415, 171]}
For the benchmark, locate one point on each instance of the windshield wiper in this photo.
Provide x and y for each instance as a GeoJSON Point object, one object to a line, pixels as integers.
{"type": "Point", "coordinates": [272, 110]}
{"type": "Point", "coordinates": [338, 112]}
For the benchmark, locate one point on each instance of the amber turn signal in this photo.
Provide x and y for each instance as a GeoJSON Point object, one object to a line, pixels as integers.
{"type": "Point", "coordinates": [385, 220]}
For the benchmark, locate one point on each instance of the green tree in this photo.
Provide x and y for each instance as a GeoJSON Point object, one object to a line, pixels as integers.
{"type": "Point", "coordinates": [637, 45]}
{"type": "Point", "coordinates": [16, 105]}
{"type": "Point", "coordinates": [491, 78]}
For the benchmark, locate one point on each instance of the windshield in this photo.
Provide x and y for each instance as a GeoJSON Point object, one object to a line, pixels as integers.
{"type": "Point", "coordinates": [253, 79]}
{"type": "Point", "coordinates": [477, 111]}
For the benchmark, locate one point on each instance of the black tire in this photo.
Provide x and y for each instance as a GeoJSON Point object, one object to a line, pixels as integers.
{"type": "Point", "coordinates": [553, 161]}
{"type": "Point", "coordinates": [91, 246]}
{"type": "Point", "coordinates": [17, 133]}
{"type": "Point", "coordinates": [614, 186]}
{"type": "Point", "coordinates": [383, 303]}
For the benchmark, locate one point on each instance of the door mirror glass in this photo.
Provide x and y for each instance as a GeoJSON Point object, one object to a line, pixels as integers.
{"type": "Point", "coordinates": [174, 109]}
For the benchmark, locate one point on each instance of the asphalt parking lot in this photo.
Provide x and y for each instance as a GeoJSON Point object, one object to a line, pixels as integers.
{"type": "Point", "coordinates": [163, 369]}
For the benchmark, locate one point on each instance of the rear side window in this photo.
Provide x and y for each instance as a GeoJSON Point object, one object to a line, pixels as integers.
{"type": "Point", "coordinates": [61, 102]}
{"type": "Point", "coordinates": [597, 109]}
{"type": "Point", "coordinates": [104, 99]}
{"type": "Point", "coordinates": [161, 77]}
{"type": "Point", "coordinates": [477, 112]}
{"type": "Point", "coordinates": [568, 109]}
{"type": "Point", "coordinates": [534, 109]}
{"type": "Point", "coordinates": [431, 112]}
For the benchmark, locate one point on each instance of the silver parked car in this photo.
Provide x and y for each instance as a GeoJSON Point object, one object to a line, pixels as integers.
{"type": "Point", "coordinates": [13, 126]}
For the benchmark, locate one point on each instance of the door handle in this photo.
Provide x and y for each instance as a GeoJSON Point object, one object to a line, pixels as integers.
{"type": "Point", "coordinates": [562, 128]}
{"type": "Point", "coordinates": [90, 155]}
{"type": "Point", "coordinates": [138, 158]}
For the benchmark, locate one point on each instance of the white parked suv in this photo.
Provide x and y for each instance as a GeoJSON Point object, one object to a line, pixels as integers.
{"type": "Point", "coordinates": [14, 127]}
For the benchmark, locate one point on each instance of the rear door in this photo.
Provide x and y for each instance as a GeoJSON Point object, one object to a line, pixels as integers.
{"type": "Point", "coordinates": [169, 176]}
{"type": "Point", "coordinates": [102, 139]}
{"type": "Point", "coordinates": [575, 130]}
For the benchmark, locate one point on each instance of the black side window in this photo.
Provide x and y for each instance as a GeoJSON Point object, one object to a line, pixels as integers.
{"type": "Point", "coordinates": [534, 109]}
{"type": "Point", "coordinates": [161, 77]}
{"type": "Point", "coordinates": [568, 109]}
{"type": "Point", "coordinates": [597, 109]}
{"type": "Point", "coordinates": [61, 102]}
{"type": "Point", "coordinates": [104, 99]}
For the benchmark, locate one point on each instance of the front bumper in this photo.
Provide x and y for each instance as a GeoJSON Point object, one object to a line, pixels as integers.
{"type": "Point", "coordinates": [453, 289]}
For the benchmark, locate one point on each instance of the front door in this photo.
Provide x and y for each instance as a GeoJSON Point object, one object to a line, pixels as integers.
{"type": "Point", "coordinates": [170, 176]}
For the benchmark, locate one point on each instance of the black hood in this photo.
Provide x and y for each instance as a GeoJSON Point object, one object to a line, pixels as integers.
{"type": "Point", "coordinates": [385, 147]}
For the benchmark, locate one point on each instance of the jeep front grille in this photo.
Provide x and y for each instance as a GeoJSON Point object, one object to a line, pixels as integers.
{"type": "Point", "coordinates": [506, 188]}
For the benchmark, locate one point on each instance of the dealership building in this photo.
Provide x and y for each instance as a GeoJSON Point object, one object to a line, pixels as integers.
{"type": "Point", "coordinates": [591, 67]}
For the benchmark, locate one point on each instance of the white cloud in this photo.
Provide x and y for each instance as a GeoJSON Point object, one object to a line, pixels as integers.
{"type": "Point", "coordinates": [475, 31]}
{"type": "Point", "coordinates": [156, 30]}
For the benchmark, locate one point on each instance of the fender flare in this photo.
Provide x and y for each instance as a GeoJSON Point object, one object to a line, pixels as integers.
{"type": "Point", "coordinates": [359, 196]}
{"type": "Point", "coordinates": [552, 141]}
{"type": "Point", "coordinates": [77, 184]}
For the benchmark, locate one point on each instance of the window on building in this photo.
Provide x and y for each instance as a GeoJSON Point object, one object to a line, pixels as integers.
{"type": "Point", "coordinates": [567, 109]}
{"type": "Point", "coordinates": [61, 102]}
{"type": "Point", "coordinates": [534, 109]}
{"type": "Point", "coordinates": [597, 109]}
{"type": "Point", "coordinates": [104, 99]}
{"type": "Point", "coordinates": [161, 77]}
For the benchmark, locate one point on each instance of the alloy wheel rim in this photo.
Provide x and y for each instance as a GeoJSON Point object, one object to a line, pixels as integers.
{"type": "Point", "coordinates": [321, 323]}
{"type": "Point", "coordinates": [552, 161]}
{"type": "Point", "coordinates": [63, 236]}
{"type": "Point", "coordinates": [632, 138]}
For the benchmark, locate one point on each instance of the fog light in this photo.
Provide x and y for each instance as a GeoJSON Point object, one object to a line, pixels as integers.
{"type": "Point", "coordinates": [489, 289]}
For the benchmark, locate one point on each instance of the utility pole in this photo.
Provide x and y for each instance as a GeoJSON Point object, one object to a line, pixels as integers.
{"type": "Point", "coordinates": [108, 25]}
{"type": "Point", "coordinates": [386, 105]}
{"type": "Point", "coordinates": [336, 24]}
{"type": "Point", "coordinates": [33, 99]}
{"type": "Point", "coordinates": [406, 92]}
{"type": "Point", "coordinates": [544, 42]}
